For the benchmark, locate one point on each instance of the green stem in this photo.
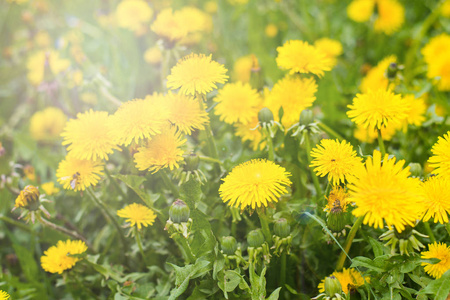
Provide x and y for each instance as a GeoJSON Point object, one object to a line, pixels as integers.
{"type": "Point", "coordinates": [447, 226]}
{"type": "Point", "coordinates": [265, 225]}
{"type": "Point", "coordinates": [209, 134]}
{"type": "Point", "coordinates": [313, 174]}
{"type": "Point", "coordinates": [115, 184]}
{"type": "Point", "coordinates": [269, 144]}
{"type": "Point", "coordinates": [185, 248]}
{"type": "Point", "coordinates": [330, 131]}
{"type": "Point", "coordinates": [283, 269]}
{"type": "Point", "coordinates": [210, 159]}
{"type": "Point", "coordinates": [169, 183]}
{"type": "Point", "coordinates": [109, 217]}
{"type": "Point", "coordinates": [164, 69]}
{"type": "Point", "coordinates": [15, 223]}
{"type": "Point", "coordinates": [429, 232]}
{"type": "Point", "coordinates": [348, 243]}
{"type": "Point", "coordinates": [137, 234]}
{"type": "Point", "coordinates": [381, 143]}
{"type": "Point", "coordinates": [63, 230]}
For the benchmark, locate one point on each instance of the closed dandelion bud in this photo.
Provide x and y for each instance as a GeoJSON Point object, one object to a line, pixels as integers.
{"type": "Point", "coordinates": [255, 238]}
{"type": "Point", "coordinates": [306, 117]}
{"type": "Point", "coordinates": [229, 245]}
{"type": "Point", "coordinates": [265, 116]}
{"type": "Point", "coordinates": [191, 161]}
{"type": "Point", "coordinates": [179, 212]}
{"type": "Point", "coordinates": [282, 228]}
{"type": "Point", "coordinates": [392, 71]}
{"type": "Point", "coordinates": [415, 169]}
{"type": "Point", "coordinates": [28, 198]}
{"type": "Point", "coordinates": [332, 286]}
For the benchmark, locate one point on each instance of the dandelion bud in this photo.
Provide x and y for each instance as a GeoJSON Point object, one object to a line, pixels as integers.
{"type": "Point", "coordinates": [229, 245]}
{"type": "Point", "coordinates": [256, 75]}
{"type": "Point", "coordinates": [336, 221]}
{"type": "Point", "coordinates": [179, 212]}
{"type": "Point", "coordinates": [192, 161]}
{"type": "Point", "coordinates": [28, 198]}
{"type": "Point", "coordinates": [281, 228]}
{"type": "Point", "coordinates": [332, 286]}
{"type": "Point", "coordinates": [306, 117]}
{"type": "Point", "coordinates": [265, 116]}
{"type": "Point", "coordinates": [255, 238]}
{"type": "Point", "coordinates": [392, 71]}
{"type": "Point", "coordinates": [415, 169]}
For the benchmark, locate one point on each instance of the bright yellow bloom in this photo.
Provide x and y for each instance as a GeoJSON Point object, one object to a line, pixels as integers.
{"type": "Point", "coordinates": [271, 30]}
{"type": "Point", "coordinates": [133, 14]}
{"type": "Point", "coordinates": [376, 78]}
{"type": "Point", "coordinates": [335, 159]}
{"type": "Point", "coordinates": [45, 61]}
{"type": "Point", "coordinates": [293, 94]}
{"type": "Point", "coordinates": [238, 2]}
{"type": "Point", "coordinates": [417, 109]}
{"type": "Point", "coordinates": [89, 136]}
{"type": "Point", "coordinates": [139, 119]}
{"type": "Point", "coordinates": [196, 73]}
{"type": "Point", "coordinates": [162, 151]}
{"type": "Point", "coordinates": [337, 199]}
{"type": "Point", "coordinates": [254, 184]}
{"type": "Point", "coordinates": [350, 279]}
{"type": "Point", "coordinates": [331, 48]}
{"type": "Point", "coordinates": [242, 68]}
{"type": "Point", "coordinates": [436, 56]}
{"type": "Point", "coordinates": [250, 133]}
{"type": "Point", "coordinates": [137, 214]}
{"type": "Point", "coordinates": [369, 135]}
{"type": "Point", "coordinates": [377, 109]}
{"type": "Point", "coordinates": [184, 112]}
{"type": "Point", "coordinates": [440, 160]}
{"type": "Point", "coordinates": [49, 188]}
{"type": "Point", "coordinates": [4, 295]}
{"type": "Point", "coordinates": [382, 191]}
{"type": "Point", "coordinates": [195, 19]}
{"type": "Point", "coordinates": [391, 16]}
{"type": "Point", "coordinates": [78, 174]}
{"type": "Point", "coordinates": [153, 55]}
{"type": "Point", "coordinates": [56, 259]}
{"type": "Point", "coordinates": [360, 10]}
{"type": "Point", "coordinates": [237, 103]}
{"type": "Point", "coordinates": [440, 251]}
{"type": "Point", "coordinates": [301, 57]}
{"type": "Point", "coordinates": [47, 124]}
{"type": "Point", "coordinates": [436, 200]}
{"type": "Point", "coordinates": [28, 197]}
{"type": "Point", "coordinates": [169, 25]}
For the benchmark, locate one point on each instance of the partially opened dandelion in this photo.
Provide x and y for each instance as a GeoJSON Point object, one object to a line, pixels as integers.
{"type": "Point", "coordinates": [57, 259]}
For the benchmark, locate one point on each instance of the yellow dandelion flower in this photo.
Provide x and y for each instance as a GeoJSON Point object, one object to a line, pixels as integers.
{"type": "Point", "coordinates": [445, 9]}
{"type": "Point", "coordinates": [89, 136]}
{"type": "Point", "coordinates": [56, 259]}
{"type": "Point", "coordinates": [89, 98]}
{"type": "Point", "coordinates": [436, 201]}
{"type": "Point", "coordinates": [242, 68]}
{"type": "Point", "coordinates": [337, 160]}
{"type": "Point", "coordinates": [391, 16]}
{"type": "Point", "coordinates": [376, 78]}
{"type": "Point", "coordinates": [249, 132]}
{"type": "Point", "coordinates": [331, 48]}
{"type": "Point", "coordinates": [162, 151]}
{"type": "Point", "coordinates": [4, 295]}
{"type": "Point", "coordinates": [440, 161]}
{"type": "Point", "coordinates": [185, 113]}
{"type": "Point", "coordinates": [153, 55]}
{"type": "Point", "coordinates": [350, 280]}
{"type": "Point", "coordinates": [78, 174]}
{"type": "Point", "coordinates": [29, 172]}
{"type": "Point", "coordinates": [293, 94]}
{"type": "Point", "coordinates": [45, 61]}
{"type": "Point", "coordinates": [237, 103]}
{"type": "Point", "coordinates": [196, 73]}
{"type": "Point", "coordinates": [133, 14]}
{"type": "Point", "coordinates": [211, 7]}
{"type": "Point", "coordinates": [49, 188]}
{"type": "Point", "coordinates": [169, 25]}
{"type": "Point", "coordinates": [379, 108]}
{"type": "Point", "coordinates": [42, 39]}
{"type": "Point", "coordinates": [416, 113]}
{"type": "Point", "coordinates": [301, 57]}
{"type": "Point", "coordinates": [440, 251]}
{"type": "Point", "coordinates": [271, 30]}
{"type": "Point", "coordinates": [47, 124]}
{"type": "Point", "coordinates": [360, 10]}
{"type": "Point", "coordinates": [238, 2]}
{"type": "Point", "coordinates": [337, 199]}
{"type": "Point", "coordinates": [28, 198]}
{"type": "Point", "coordinates": [137, 214]}
{"type": "Point", "coordinates": [139, 119]}
{"type": "Point", "coordinates": [383, 191]}
{"type": "Point", "coordinates": [369, 135]}
{"type": "Point", "coordinates": [254, 184]}
{"type": "Point", "coordinates": [437, 59]}
{"type": "Point", "coordinates": [195, 19]}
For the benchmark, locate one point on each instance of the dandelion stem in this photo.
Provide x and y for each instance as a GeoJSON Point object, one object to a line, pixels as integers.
{"type": "Point", "coordinates": [313, 174]}
{"type": "Point", "coordinates": [115, 184]}
{"type": "Point", "coordinates": [429, 232]}
{"type": "Point", "coordinates": [330, 131]}
{"type": "Point", "coordinates": [210, 159]}
{"type": "Point", "coordinates": [164, 68]}
{"type": "Point", "coordinates": [348, 243]}
{"type": "Point", "coordinates": [269, 144]}
{"type": "Point", "coordinates": [137, 234]}
{"type": "Point", "coordinates": [447, 226]}
{"type": "Point", "coordinates": [265, 225]}
{"type": "Point", "coordinates": [169, 184]}
{"type": "Point", "coordinates": [283, 269]}
{"type": "Point", "coordinates": [381, 143]}
{"type": "Point", "coordinates": [185, 248]}
{"type": "Point", "coordinates": [15, 223]}
{"type": "Point", "coordinates": [109, 217]}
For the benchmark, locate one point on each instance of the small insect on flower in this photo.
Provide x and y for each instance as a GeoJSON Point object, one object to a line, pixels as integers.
{"type": "Point", "coordinates": [74, 179]}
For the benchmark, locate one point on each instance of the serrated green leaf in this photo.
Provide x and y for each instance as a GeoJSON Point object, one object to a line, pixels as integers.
{"type": "Point", "coordinates": [27, 262]}
{"type": "Point", "coordinates": [440, 288]}
{"type": "Point", "coordinates": [362, 261]}
{"type": "Point", "coordinates": [377, 247]}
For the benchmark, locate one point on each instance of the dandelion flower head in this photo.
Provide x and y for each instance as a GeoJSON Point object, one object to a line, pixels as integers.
{"type": "Point", "coordinates": [379, 108]}
{"type": "Point", "coordinates": [137, 214]}
{"type": "Point", "coordinates": [360, 10]}
{"type": "Point", "coordinates": [47, 124]}
{"type": "Point", "coordinates": [196, 73]}
{"type": "Point", "coordinates": [4, 295]}
{"type": "Point", "coordinates": [249, 132]}
{"type": "Point", "coordinates": [169, 25]}
{"type": "Point", "coordinates": [337, 199]}
{"type": "Point", "coordinates": [49, 188]}
{"type": "Point", "coordinates": [89, 136]}
{"type": "Point", "coordinates": [331, 48]}
{"type": "Point", "coordinates": [440, 251]}
{"type": "Point", "coordinates": [391, 16]}
{"type": "Point", "coordinates": [301, 57]}
{"type": "Point", "coordinates": [436, 200]}
{"type": "Point", "coordinates": [382, 191]}
{"type": "Point", "coordinates": [436, 57]}
{"type": "Point", "coordinates": [153, 55]}
{"type": "Point", "coordinates": [56, 259]}
{"type": "Point", "coordinates": [242, 68]}
{"type": "Point", "coordinates": [369, 135]}
{"type": "Point", "coordinates": [133, 14]}
{"type": "Point", "coordinates": [28, 196]}
{"type": "Point", "coordinates": [350, 279]}
{"type": "Point", "coordinates": [40, 61]}
{"type": "Point", "coordinates": [376, 78]}
{"type": "Point", "coordinates": [440, 160]}
{"type": "Point", "coordinates": [255, 183]}
{"type": "Point", "coordinates": [78, 174]}
{"type": "Point", "coordinates": [417, 109]}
